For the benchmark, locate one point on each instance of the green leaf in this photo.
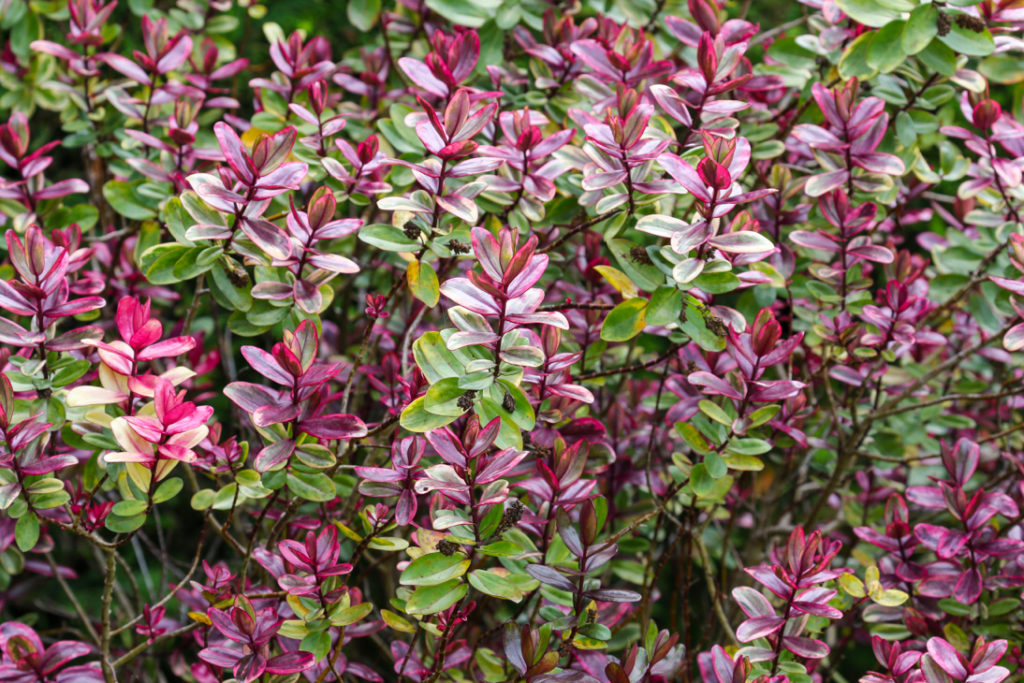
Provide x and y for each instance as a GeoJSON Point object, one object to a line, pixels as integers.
{"type": "Point", "coordinates": [743, 463]}
{"type": "Point", "coordinates": [363, 13]}
{"type": "Point", "coordinates": [442, 398]}
{"type": "Point", "coordinates": [416, 418]}
{"type": "Point", "coordinates": [696, 327]}
{"type": "Point", "coordinates": [434, 359]}
{"type": "Point", "coordinates": [433, 569]}
{"type": "Point", "coordinates": [714, 412]}
{"type": "Point", "coordinates": [387, 237]}
{"type": "Point", "coordinates": [523, 415]}
{"type": "Point", "coordinates": [226, 293]}
{"type": "Point", "coordinates": [854, 62]}
{"type": "Point", "coordinates": [749, 446]}
{"type": "Point", "coordinates": [921, 27]}
{"type": "Point", "coordinates": [665, 306]}
{"type": "Point", "coordinates": [625, 321]}
{"type": "Point", "coordinates": [26, 532]}
{"type": "Point", "coordinates": [492, 584]}
{"type": "Point", "coordinates": [886, 51]}
{"type": "Point", "coordinates": [717, 283]}
{"type": "Point", "coordinates": [967, 42]}
{"type": "Point", "coordinates": [69, 373]}
{"type": "Point", "coordinates": [1003, 69]}
{"type": "Point", "coordinates": [317, 644]}
{"type": "Point", "coordinates": [124, 525]}
{"type": "Point", "coordinates": [951, 606]}
{"type": "Point", "coordinates": [645, 275]}
{"type": "Point", "coordinates": [351, 615]}
{"type": "Point", "coordinates": [433, 599]}
{"type": "Point", "coordinates": [868, 12]}
{"type": "Point", "coordinates": [167, 490]}
{"type": "Point", "coordinates": [471, 13]}
{"type": "Point", "coordinates": [789, 52]}
{"type": "Point", "coordinates": [423, 282]}
{"type": "Point", "coordinates": [701, 481]}
{"type": "Point", "coordinates": [124, 197]}
{"type": "Point", "coordinates": [693, 437]}
{"type": "Point", "coordinates": [390, 544]}
{"type": "Point", "coordinates": [715, 465]}
{"type": "Point", "coordinates": [316, 487]}
{"type": "Point", "coordinates": [763, 415]}
{"type": "Point", "coordinates": [202, 499]}
{"type": "Point", "coordinates": [939, 58]}
{"type": "Point", "coordinates": [129, 508]}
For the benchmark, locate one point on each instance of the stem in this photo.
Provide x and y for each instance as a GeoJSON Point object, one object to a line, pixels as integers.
{"type": "Point", "coordinates": [109, 673]}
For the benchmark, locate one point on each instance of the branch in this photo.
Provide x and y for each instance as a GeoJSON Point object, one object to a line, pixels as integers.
{"type": "Point", "coordinates": [629, 368]}
{"type": "Point", "coordinates": [574, 229]}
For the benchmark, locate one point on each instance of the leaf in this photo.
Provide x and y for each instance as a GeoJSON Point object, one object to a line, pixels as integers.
{"type": "Point", "coordinates": [890, 597]}
{"type": "Point", "coordinates": [225, 292]}
{"type": "Point", "coordinates": [938, 57]}
{"type": "Point", "coordinates": [416, 418]}
{"type": "Point", "coordinates": [434, 359]}
{"type": "Point", "coordinates": [363, 13]}
{"type": "Point", "coordinates": [423, 282]}
{"type": "Point", "coordinates": [713, 411]}
{"type": "Point", "coordinates": [124, 198]}
{"type": "Point", "coordinates": [625, 321]}
{"type": "Point", "coordinates": [701, 481]}
{"type": "Point", "coordinates": [26, 532]}
{"type": "Point", "coordinates": [618, 280]}
{"type": "Point", "coordinates": [921, 27]}
{"type": "Point", "coordinates": [742, 242]}
{"type": "Point", "coordinates": [124, 525]}
{"type": "Point", "coordinates": [351, 615]}
{"type": "Point", "coordinates": [434, 569]}
{"type": "Point", "coordinates": [387, 237]}
{"type": "Point", "coordinates": [967, 42]}
{"type": "Point", "coordinates": [715, 465]}
{"type": "Point", "coordinates": [442, 398]}
{"type": "Point", "coordinates": [664, 307]}
{"type": "Point", "coordinates": [693, 437]}
{"type": "Point", "coordinates": [397, 622]}
{"type": "Point", "coordinates": [471, 13]}
{"type": "Point", "coordinates": [129, 508]}
{"type": "Point", "coordinates": [717, 283]}
{"type": "Point", "coordinates": [490, 583]}
{"type": "Point", "coordinates": [852, 585]}
{"type": "Point", "coordinates": [854, 62]}
{"type": "Point", "coordinates": [695, 326]}
{"type": "Point", "coordinates": [645, 275]}
{"type": "Point", "coordinates": [749, 446]}
{"type": "Point", "coordinates": [550, 576]}
{"type": "Point", "coordinates": [868, 12]}
{"type": "Point", "coordinates": [433, 599]}
{"type": "Point", "coordinates": [886, 51]}
{"type": "Point", "coordinates": [316, 487]}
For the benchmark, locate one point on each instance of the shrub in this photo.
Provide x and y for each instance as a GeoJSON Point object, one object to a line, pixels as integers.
{"type": "Point", "coordinates": [627, 342]}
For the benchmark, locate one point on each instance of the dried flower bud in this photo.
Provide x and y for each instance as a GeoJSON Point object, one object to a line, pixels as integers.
{"type": "Point", "coordinates": [970, 22]}
{"type": "Point", "coordinates": [943, 23]}
{"type": "Point", "coordinates": [447, 548]}
{"type": "Point", "coordinates": [639, 255]}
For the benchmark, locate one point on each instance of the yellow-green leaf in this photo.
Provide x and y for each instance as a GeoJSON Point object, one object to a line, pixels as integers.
{"type": "Point", "coordinates": [618, 280]}
{"type": "Point", "coordinates": [625, 321]}
{"type": "Point", "coordinates": [423, 282]}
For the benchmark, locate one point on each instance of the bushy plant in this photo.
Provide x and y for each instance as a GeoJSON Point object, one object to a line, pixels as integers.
{"type": "Point", "coordinates": [610, 341]}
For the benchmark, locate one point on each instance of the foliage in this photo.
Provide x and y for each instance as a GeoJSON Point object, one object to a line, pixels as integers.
{"type": "Point", "coordinates": [508, 340]}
